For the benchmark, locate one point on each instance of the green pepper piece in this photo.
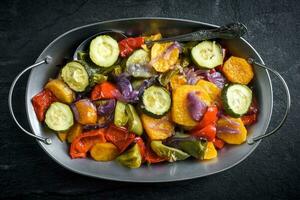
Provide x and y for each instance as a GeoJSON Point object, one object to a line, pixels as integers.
{"type": "Point", "coordinates": [117, 70]}
{"type": "Point", "coordinates": [185, 61]}
{"type": "Point", "coordinates": [132, 158]}
{"type": "Point", "coordinates": [137, 83]}
{"type": "Point", "coordinates": [164, 78]}
{"type": "Point", "coordinates": [121, 117]}
{"type": "Point", "coordinates": [134, 121]}
{"type": "Point", "coordinates": [170, 153]}
{"type": "Point", "coordinates": [189, 144]}
{"type": "Point", "coordinates": [194, 148]}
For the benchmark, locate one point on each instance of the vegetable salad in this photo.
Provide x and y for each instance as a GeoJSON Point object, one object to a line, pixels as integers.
{"type": "Point", "coordinates": [129, 102]}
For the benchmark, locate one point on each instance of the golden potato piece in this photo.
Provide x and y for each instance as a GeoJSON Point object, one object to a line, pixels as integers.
{"type": "Point", "coordinates": [104, 151]}
{"type": "Point", "coordinates": [62, 92]}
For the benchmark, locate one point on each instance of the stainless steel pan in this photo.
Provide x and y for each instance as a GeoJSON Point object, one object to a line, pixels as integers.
{"type": "Point", "coordinates": [64, 46]}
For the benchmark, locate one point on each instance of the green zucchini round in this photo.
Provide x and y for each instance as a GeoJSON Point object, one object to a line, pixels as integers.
{"type": "Point", "coordinates": [104, 51]}
{"type": "Point", "coordinates": [59, 117]}
{"type": "Point", "coordinates": [156, 101]}
{"type": "Point", "coordinates": [236, 99]}
{"type": "Point", "coordinates": [75, 76]}
{"type": "Point", "coordinates": [207, 54]}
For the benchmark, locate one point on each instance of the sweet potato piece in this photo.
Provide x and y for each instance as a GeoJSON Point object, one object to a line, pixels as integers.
{"type": "Point", "coordinates": [232, 138]}
{"type": "Point", "coordinates": [163, 61]}
{"type": "Point", "coordinates": [62, 136]}
{"type": "Point", "coordinates": [157, 129]}
{"type": "Point", "coordinates": [238, 70]}
{"type": "Point", "coordinates": [104, 152]}
{"type": "Point", "coordinates": [212, 90]}
{"type": "Point", "coordinates": [180, 113]}
{"type": "Point", "coordinates": [177, 81]}
{"type": "Point", "coordinates": [73, 132]}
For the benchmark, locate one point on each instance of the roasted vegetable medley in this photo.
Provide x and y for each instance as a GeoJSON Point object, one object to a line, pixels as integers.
{"type": "Point", "coordinates": [133, 103]}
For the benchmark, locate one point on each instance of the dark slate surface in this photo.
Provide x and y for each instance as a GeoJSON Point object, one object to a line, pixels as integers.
{"type": "Point", "coordinates": [271, 172]}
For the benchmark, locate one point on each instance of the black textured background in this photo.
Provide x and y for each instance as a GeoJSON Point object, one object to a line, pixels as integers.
{"type": "Point", "coordinates": [271, 172]}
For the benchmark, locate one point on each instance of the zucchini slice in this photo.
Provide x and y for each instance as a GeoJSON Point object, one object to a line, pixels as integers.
{"type": "Point", "coordinates": [59, 117]}
{"type": "Point", "coordinates": [104, 51]}
{"type": "Point", "coordinates": [156, 101]}
{"type": "Point", "coordinates": [136, 64]}
{"type": "Point", "coordinates": [236, 99]}
{"type": "Point", "coordinates": [207, 54]}
{"type": "Point", "coordinates": [75, 75]}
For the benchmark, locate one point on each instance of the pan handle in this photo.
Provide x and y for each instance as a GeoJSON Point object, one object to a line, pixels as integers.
{"type": "Point", "coordinates": [47, 60]}
{"type": "Point", "coordinates": [288, 103]}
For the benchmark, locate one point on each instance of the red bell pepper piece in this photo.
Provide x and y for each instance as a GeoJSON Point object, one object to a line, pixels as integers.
{"type": "Point", "coordinates": [41, 103]}
{"type": "Point", "coordinates": [152, 157]}
{"type": "Point", "coordinates": [253, 109]}
{"type": "Point", "coordinates": [251, 116]}
{"type": "Point", "coordinates": [148, 155]}
{"type": "Point", "coordinates": [210, 117]}
{"type": "Point", "coordinates": [85, 141]}
{"type": "Point", "coordinates": [141, 145]}
{"type": "Point", "coordinates": [249, 119]}
{"type": "Point", "coordinates": [119, 137]}
{"type": "Point", "coordinates": [128, 45]}
{"type": "Point", "coordinates": [208, 132]}
{"type": "Point", "coordinates": [218, 143]}
{"type": "Point", "coordinates": [104, 90]}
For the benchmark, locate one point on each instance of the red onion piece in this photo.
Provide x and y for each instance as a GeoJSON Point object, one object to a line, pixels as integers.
{"type": "Point", "coordinates": [169, 50]}
{"type": "Point", "coordinates": [74, 108]}
{"type": "Point", "coordinates": [108, 108]}
{"type": "Point", "coordinates": [217, 78]}
{"type": "Point", "coordinates": [225, 129]}
{"type": "Point", "coordinates": [166, 53]}
{"type": "Point", "coordinates": [127, 92]}
{"type": "Point", "coordinates": [105, 124]}
{"type": "Point", "coordinates": [230, 121]}
{"type": "Point", "coordinates": [196, 106]}
{"type": "Point", "coordinates": [193, 76]}
{"type": "Point", "coordinates": [75, 111]}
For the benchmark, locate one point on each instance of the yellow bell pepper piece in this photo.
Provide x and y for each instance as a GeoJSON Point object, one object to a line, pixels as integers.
{"type": "Point", "coordinates": [210, 151]}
